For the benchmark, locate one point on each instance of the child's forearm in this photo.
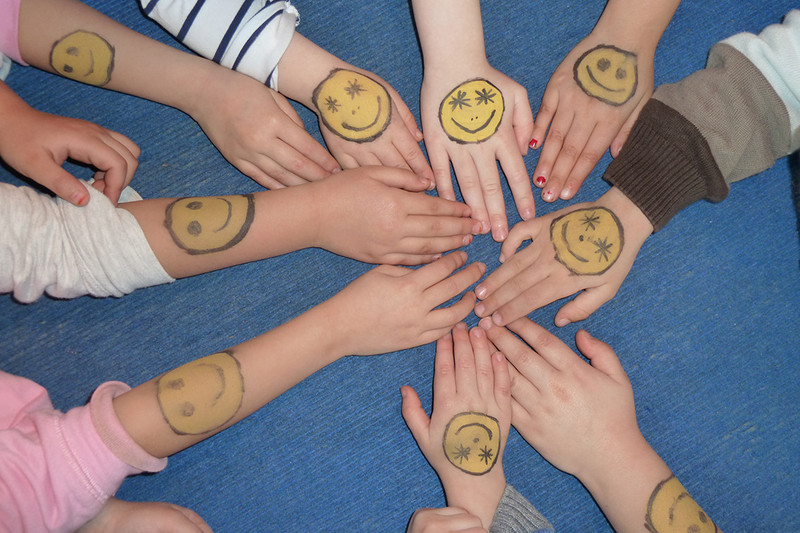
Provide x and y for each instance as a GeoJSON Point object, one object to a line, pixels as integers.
{"type": "Point", "coordinates": [192, 236]}
{"type": "Point", "coordinates": [634, 24]}
{"type": "Point", "coordinates": [72, 39]}
{"type": "Point", "coordinates": [199, 399]}
{"type": "Point", "coordinates": [449, 31]}
{"type": "Point", "coordinates": [637, 492]}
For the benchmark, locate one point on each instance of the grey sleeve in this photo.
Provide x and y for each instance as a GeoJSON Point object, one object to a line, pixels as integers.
{"type": "Point", "coordinates": [515, 514]}
{"type": "Point", "coordinates": [50, 246]}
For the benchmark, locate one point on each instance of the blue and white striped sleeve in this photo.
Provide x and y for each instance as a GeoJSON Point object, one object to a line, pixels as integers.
{"type": "Point", "coordinates": [249, 36]}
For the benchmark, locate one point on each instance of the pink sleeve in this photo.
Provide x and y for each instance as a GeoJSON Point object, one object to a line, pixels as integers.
{"type": "Point", "coordinates": [57, 470]}
{"type": "Point", "coordinates": [9, 30]}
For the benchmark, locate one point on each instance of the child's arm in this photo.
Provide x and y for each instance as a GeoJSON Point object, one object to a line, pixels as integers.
{"type": "Point", "coordinates": [472, 115]}
{"type": "Point", "coordinates": [36, 144]}
{"type": "Point", "coordinates": [254, 128]}
{"type": "Point", "coordinates": [596, 93]}
{"type": "Point", "coordinates": [582, 419]}
{"type": "Point", "coordinates": [387, 309]}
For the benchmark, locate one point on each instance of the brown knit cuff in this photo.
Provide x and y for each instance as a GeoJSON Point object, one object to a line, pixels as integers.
{"type": "Point", "coordinates": [665, 165]}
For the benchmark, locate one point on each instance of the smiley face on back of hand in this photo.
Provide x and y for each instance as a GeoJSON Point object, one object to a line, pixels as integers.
{"type": "Point", "coordinates": [608, 74]}
{"type": "Point", "coordinates": [472, 112]}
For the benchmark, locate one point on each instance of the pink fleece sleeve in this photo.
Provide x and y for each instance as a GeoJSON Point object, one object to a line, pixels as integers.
{"type": "Point", "coordinates": [57, 470]}
{"type": "Point", "coordinates": [9, 30]}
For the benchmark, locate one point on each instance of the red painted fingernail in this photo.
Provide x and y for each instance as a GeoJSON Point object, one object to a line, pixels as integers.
{"type": "Point", "coordinates": [534, 143]}
{"type": "Point", "coordinates": [541, 180]}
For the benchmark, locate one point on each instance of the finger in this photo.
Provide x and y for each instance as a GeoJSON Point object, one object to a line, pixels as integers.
{"type": "Point", "coordinates": [442, 320]}
{"type": "Point", "coordinates": [424, 204]}
{"type": "Point", "coordinates": [622, 135]}
{"type": "Point", "coordinates": [367, 158]}
{"type": "Point", "coordinates": [493, 197]}
{"type": "Point", "coordinates": [309, 158]}
{"type": "Point", "coordinates": [444, 375]}
{"type": "Point", "coordinates": [557, 354]}
{"type": "Point", "coordinates": [62, 183]}
{"type": "Point", "coordinates": [502, 379]}
{"type": "Point", "coordinates": [414, 415]}
{"type": "Point", "coordinates": [550, 151]}
{"type": "Point", "coordinates": [412, 155]}
{"type": "Point", "coordinates": [519, 183]}
{"type": "Point", "coordinates": [466, 381]}
{"type": "Point", "coordinates": [431, 247]}
{"type": "Point", "coordinates": [544, 115]}
{"type": "Point", "coordinates": [523, 286]}
{"type": "Point", "coordinates": [520, 233]}
{"type": "Point", "coordinates": [286, 107]}
{"type": "Point", "coordinates": [454, 285]}
{"type": "Point", "coordinates": [484, 366]}
{"type": "Point", "coordinates": [114, 165]}
{"type": "Point", "coordinates": [405, 115]}
{"type": "Point", "coordinates": [587, 160]}
{"type": "Point", "coordinates": [522, 121]}
{"type": "Point", "coordinates": [440, 164]}
{"type": "Point", "coordinates": [435, 225]}
{"type": "Point", "coordinates": [399, 178]}
{"type": "Point", "coordinates": [471, 189]}
{"type": "Point", "coordinates": [584, 304]}
{"type": "Point", "coordinates": [388, 156]}
{"type": "Point", "coordinates": [535, 296]}
{"type": "Point", "coordinates": [571, 149]}
{"type": "Point", "coordinates": [432, 274]}
{"type": "Point", "coordinates": [530, 365]}
{"type": "Point", "coordinates": [288, 166]}
{"type": "Point", "coordinates": [257, 174]}
{"type": "Point", "coordinates": [601, 355]}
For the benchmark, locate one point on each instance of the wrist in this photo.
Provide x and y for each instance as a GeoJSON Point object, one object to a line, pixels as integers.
{"type": "Point", "coordinates": [479, 495]}
{"type": "Point", "coordinates": [635, 223]}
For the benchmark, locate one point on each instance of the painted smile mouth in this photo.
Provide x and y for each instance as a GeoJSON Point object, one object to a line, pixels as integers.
{"type": "Point", "coordinates": [347, 126]}
{"type": "Point", "coordinates": [479, 128]}
{"type": "Point", "coordinates": [591, 76]}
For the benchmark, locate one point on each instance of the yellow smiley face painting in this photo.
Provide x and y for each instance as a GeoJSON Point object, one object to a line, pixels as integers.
{"type": "Point", "coordinates": [83, 56]}
{"type": "Point", "coordinates": [587, 241]}
{"type": "Point", "coordinates": [672, 510]}
{"type": "Point", "coordinates": [203, 395]}
{"type": "Point", "coordinates": [472, 442]}
{"type": "Point", "coordinates": [209, 224]}
{"type": "Point", "coordinates": [353, 106]}
{"type": "Point", "coordinates": [472, 112]}
{"type": "Point", "coordinates": [607, 73]}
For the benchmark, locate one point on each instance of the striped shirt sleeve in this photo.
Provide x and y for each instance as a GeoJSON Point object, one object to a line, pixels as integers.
{"type": "Point", "coordinates": [249, 36]}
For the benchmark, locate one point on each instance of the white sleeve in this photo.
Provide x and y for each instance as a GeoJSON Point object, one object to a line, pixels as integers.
{"type": "Point", "coordinates": [249, 36]}
{"type": "Point", "coordinates": [49, 246]}
{"type": "Point", "coordinates": [776, 53]}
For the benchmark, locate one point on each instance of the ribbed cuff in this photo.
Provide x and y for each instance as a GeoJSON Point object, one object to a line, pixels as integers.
{"type": "Point", "coordinates": [665, 165]}
{"type": "Point", "coordinates": [515, 513]}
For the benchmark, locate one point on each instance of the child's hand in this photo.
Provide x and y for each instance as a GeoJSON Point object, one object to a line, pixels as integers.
{"type": "Point", "coordinates": [378, 215]}
{"type": "Point", "coordinates": [465, 437]}
{"type": "Point", "coordinates": [393, 308]}
{"type": "Point", "coordinates": [585, 248]}
{"type": "Point", "coordinates": [260, 133]}
{"type": "Point", "coordinates": [445, 520]}
{"type": "Point", "coordinates": [395, 146]}
{"type": "Point", "coordinates": [503, 137]}
{"type": "Point", "coordinates": [39, 143]}
{"type": "Point", "coordinates": [578, 416]}
{"type": "Point", "coordinates": [586, 119]}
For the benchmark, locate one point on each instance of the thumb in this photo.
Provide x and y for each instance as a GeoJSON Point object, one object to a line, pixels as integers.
{"type": "Point", "coordinates": [414, 415]}
{"type": "Point", "coordinates": [62, 183]}
{"type": "Point", "coordinates": [399, 178]}
{"type": "Point", "coordinates": [601, 355]}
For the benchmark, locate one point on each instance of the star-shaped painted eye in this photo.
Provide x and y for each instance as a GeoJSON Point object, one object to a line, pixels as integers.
{"type": "Point", "coordinates": [590, 221]}
{"type": "Point", "coordinates": [353, 88]}
{"type": "Point", "coordinates": [603, 248]}
{"type": "Point", "coordinates": [485, 96]}
{"type": "Point", "coordinates": [460, 100]}
{"type": "Point", "coordinates": [461, 453]}
{"type": "Point", "coordinates": [332, 105]}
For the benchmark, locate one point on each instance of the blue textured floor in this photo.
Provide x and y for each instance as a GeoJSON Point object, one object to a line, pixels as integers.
{"type": "Point", "coordinates": [707, 323]}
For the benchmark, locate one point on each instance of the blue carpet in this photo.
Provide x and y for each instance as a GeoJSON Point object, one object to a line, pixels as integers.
{"type": "Point", "coordinates": [706, 323]}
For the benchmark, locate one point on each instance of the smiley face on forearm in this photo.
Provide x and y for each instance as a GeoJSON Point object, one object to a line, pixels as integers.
{"type": "Point", "coordinates": [83, 56]}
{"type": "Point", "coordinates": [472, 442]}
{"type": "Point", "coordinates": [672, 509]}
{"type": "Point", "coordinates": [209, 224]}
{"type": "Point", "coordinates": [202, 395]}
{"type": "Point", "coordinates": [353, 106]}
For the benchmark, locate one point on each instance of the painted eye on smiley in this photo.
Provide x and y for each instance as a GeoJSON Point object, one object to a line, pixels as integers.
{"type": "Point", "coordinates": [353, 106]}
{"type": "Point", "coordinates": [209, 224]}
{"type": "Point", "coordinates": [672, 510]}
{"type": "Point", "coordinates": [471, 442]}
{"type": "Point", "coordinates": [83, 56]}
{"type": "Point", "coordinates": [587, 241]}
{"type": "Point", "coordinates": [202, 395]}
{"type": "Point", "coordinates": [607, 73]}
{"type": "Point", "coordinates": [472, 112]}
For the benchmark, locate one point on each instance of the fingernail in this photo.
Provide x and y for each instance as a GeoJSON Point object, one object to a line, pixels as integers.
{"type": "Point", "coordinates": [467, 240]}
{"type": "Point", "coordinates": [561, 322]}
{"type": "Point", "coordinates": [461, 325]}
{"type": "Point", "coordinates": [500, 234]}
{"type": "Point", "coordinates": [527, 213]}
{"type": "Point", "coordinates": [431, 185]}
{"type": "Point", "coordinates": [480, 292]}
{"type": "Point", "coordinates": [485, 323]}
{"type": "Point", "coordinates": [476, 227]}
{"type": "Point", "coordinates": [548, 196]}
{"type": "Point", "coordinates": [480, 310]}
{"type": "Point", "coordinates": [497, 319]}
{"type": "Point", "coordinates": [566, 194]}
{"type": "Point", "coordinates": [80, 199]}
{"type": "Point", "coordinates": [540, 181]}
{"type": "Point", "coordinates": [502, 258]}
{"type": "Point", "coordinates": [485, 227]}
{"type": "Point", "coordinates": [533, 144]}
